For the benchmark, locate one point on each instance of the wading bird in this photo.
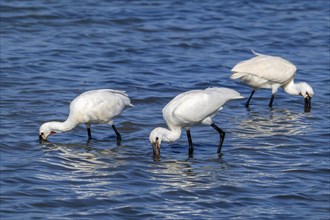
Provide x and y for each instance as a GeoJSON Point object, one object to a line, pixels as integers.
{"type": "Point", "coordinates": [188, 109]}
{"type": "Point", "coordinates": [264, 71]}
{"type": "Point", "coordinates": [91, 107]}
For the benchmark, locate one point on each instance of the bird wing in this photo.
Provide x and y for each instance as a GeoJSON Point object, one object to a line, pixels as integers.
{"type": "Point", "coordinates": [194, 106]}
{"type": "Point", "coordinates": [272, 68]}
{"type": "Point", "coordinates": [99, 105]}
{"type": "Point", "coordinates": [110, 91]}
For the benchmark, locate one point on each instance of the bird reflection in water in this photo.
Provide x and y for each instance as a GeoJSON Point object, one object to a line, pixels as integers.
{"type": "Point", "coordinates": [187, 174]}
{"type": "Point", "coordinates": [273, 122]}
{"type": "Point", "coordinates": [84, 169]}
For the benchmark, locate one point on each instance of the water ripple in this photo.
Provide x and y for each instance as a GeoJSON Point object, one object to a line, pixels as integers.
{"type": "Point", "coordinates": [275, 162]}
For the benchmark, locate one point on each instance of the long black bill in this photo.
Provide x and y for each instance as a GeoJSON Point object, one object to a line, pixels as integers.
{"type": "Point", "coordinates": [156, 150]}
{"type": "Point", "coordinates": [41, 140]}
{"type": "Point", "coordinates": [308, 105]}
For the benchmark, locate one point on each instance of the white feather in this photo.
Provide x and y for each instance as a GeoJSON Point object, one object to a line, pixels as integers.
{"type": "Point", "coordinates": [264, 71]}
{"type": "Point", "coordinates": [271, 68]}
{"type": "Point", "coordinates": [191, 108]}
{"type": "Point", "coordinates": [91, 107]}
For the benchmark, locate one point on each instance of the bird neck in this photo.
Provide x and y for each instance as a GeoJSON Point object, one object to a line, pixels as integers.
{"type": "Point", "coordinates": [65, 126]}
{"type": "Point", "coordinates": [171, 134]}
{"type": "Point", "coordinates": [291, 88]}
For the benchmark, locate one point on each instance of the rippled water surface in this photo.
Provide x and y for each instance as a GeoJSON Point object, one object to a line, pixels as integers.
{"type": "Point", "coordinates": [275, 162]}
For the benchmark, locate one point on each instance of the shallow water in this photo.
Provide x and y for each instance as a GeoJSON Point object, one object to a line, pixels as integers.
{"type": "Point", "coordinates": [275, 162]}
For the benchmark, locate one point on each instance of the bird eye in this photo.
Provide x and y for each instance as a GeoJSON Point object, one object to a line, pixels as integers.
{"type": "Point", "coordinates": [157, 138]}
{"type": "Point", "coordinates": [42, 133]}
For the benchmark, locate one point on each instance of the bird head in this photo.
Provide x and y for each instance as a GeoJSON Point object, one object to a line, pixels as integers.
{"type": "Point", "coordinates": [45, 130]}
{"type": "Point", "coordinates": [155, 138]}
{"type": "Point", "coordinates": [307, 92]}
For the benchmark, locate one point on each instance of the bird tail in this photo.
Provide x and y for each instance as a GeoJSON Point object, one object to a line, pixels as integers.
{"type": "Point", "coordinates": [239, 96]}
{"type": "Point", "coordinates": [255, 53]}
{"type": "Point", "coordinates": [229, 93]}
{"type": "Point", "coordinates": [237, 75]}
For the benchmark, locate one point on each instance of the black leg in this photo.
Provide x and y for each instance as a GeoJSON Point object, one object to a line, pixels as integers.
{"type": "Point", "coordinates": [271, 100]}
{"type": "Point", "coordinates": [248, 101]}
{"type": "Point", "coordinates": [89, 133]}
{"type": "Point", "coordinates": [222, 137]}
{"type": "Point", "coordinates": [118, 135]}
{"type": "Point", "coordinates": [191, 146]}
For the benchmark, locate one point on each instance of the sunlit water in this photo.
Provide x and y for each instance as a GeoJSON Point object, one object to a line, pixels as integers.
{"type": "Point", "coordinates": [275, 162]}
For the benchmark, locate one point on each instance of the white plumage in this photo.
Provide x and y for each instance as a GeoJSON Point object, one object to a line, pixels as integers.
{"type": "Point", "coordinates": [91, 107]}
{"type": "Point", "coordinates": [188, 109]}
{"type": "Point", "coordinates": [264, 71]}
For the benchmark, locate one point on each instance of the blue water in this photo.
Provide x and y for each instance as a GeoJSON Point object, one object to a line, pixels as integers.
{"type": "Point", "coordinates": [275, 163]}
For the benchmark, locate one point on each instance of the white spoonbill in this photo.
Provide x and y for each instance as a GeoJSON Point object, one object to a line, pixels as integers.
{"type": "Point", "coordinates": [91, 107]}
{"type": "Point", "coordinates": [188, 109]}
{"type": "Point", "coordinates": [264, 71]}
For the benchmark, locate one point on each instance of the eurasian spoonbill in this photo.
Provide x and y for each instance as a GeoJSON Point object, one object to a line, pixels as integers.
{"type": "Point", "coordinates": [91, 107]}
{"type": "Point", "coordinates": [264, 71]}
{"type": "Point", "coordinates": [188, 109]}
